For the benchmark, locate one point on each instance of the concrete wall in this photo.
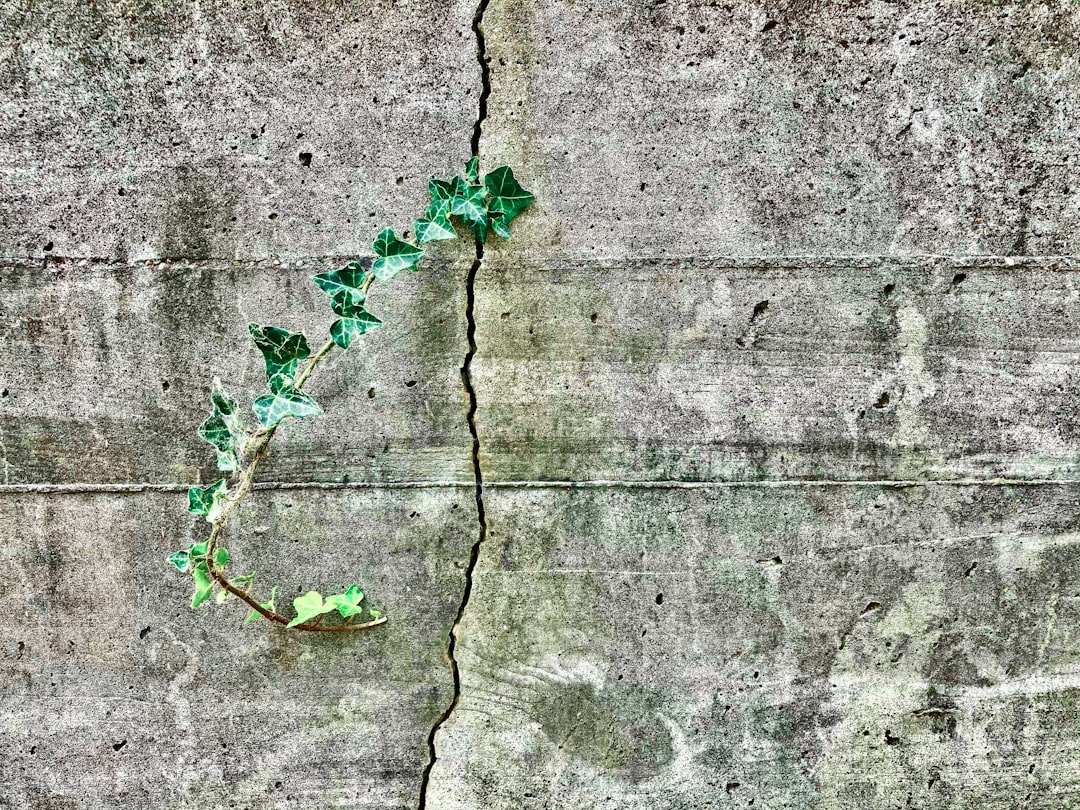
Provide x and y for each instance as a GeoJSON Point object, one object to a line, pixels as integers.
{"type": "Point", "coordinates": [776, 395]}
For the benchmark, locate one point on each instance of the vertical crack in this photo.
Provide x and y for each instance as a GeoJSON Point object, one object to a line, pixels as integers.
{"type": "Point", "coordinates": [466, 381]}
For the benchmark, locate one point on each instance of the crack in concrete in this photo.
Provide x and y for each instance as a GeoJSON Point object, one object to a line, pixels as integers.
{"type": "Point", "coordinates": [466, 380]}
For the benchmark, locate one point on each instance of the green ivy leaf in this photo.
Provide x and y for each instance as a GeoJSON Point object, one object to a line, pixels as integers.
{"type": "Point", "coordinates": [472, 169]}
{"type": "Point", "coordinates": [221, 557]}
{"type": "Point", "coordinates": [435, 226]}
{"type": "Point", "coordinates": [348, 603]}
{"type": "Point", "coordinates": [281, 349]}
{"type": "Point", "coordinates": [224, 429]}
{"type": "Point", "coordinates": [199, 549]}
{"type": "Point", "coordinates": [204, 584]}
{"type": "Point", "coordinates": [246, 579]}
{"type": "Point", "coordinates": [181, 559]}
{"type": "Point", "coordinates": [208, 501]}
{"type": "Point", "coordinates": [394, 255]}
{"type": "Point", "coordinates": [282, 402]}
{"type": "Point", "coordinates": [355, 320]}
{"type": "Point", "coordinates": [350, 280]}
{"type": "Point", "coordinates": [505, 196]}
{"type": "Point", "coordinates": [309, 606]}
{"type": "Point", "coordinates": [268, 605]}
{"type": "Point", "coordinates": [469, 205]}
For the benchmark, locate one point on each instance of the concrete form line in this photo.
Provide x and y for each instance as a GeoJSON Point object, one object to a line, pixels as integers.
{"type": "Point", "coordinates": [136, 488]}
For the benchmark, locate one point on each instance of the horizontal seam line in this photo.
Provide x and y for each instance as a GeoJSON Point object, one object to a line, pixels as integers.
{"type": "Point", "coordinates": [135, 488]}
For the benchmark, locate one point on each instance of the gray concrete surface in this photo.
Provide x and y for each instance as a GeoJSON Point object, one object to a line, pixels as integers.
{"type": "Point", "coordinates": [818, 554]}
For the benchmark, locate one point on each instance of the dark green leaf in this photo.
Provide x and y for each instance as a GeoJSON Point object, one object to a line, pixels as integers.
{"type": "Point", "coordinates": [224, 429]}
{"type": "Point", "coordinates": [281, 349]}
{"type": "Point", "coordinates": [283, 401]}
{"type": "Point", "coordinates": [203, 584]}
{"type": "Point", "coordinates": [355, 321]}
{"type": "Point", "coordinates": [181, 559]}
{"type": "Point", "coordinates": [350, 281]}
{"type": "Point", "coordinates": [469, 205]}
{"type": "Point", "coordinates": [208, 501]}
{"type": "Point", "coordinates": [394, 255]}
{"type": "Point", "coordinates": [436, 224]}
{"type": "Point", "coordinates": [505, 196]}
{"type": "Point", "coordinates": [472, 169]}
{"type": "Point", "coordinates": [199, 549]}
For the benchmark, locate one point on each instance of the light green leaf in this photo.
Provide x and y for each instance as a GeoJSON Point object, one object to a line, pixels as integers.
{"type": "Point", "coordinates": [472, 169]}
{"type": "Point", "coordinates": [181, 559]}
{"type": "Point", "coordinates": [348, 603]}
{"type": "Point", "coordinates": [505, 196]}
{"type": "Point", "coordinates": [350, 280]}
{"type": "Point", "coordinates": [208, 501]}
{"type": "Point", "coordinates": [203, 584]}
{"type": "Point", "coordinates": [283, 401]}
{"type": "Point", "coordinates": [221, 557]}
{"type": "Point", "coordinates": [246, 579]}
{"type": "Point", "coordinates": [355, 320]}
{"type": "Point", "coordinates": [281, 349]}
{"type": "Point", "coordinates": [222, 596]}
{"type": "Point", "coordinates": [394, 255]}
{"type": "Point", "coordinates": [199, 549]}
{"type": "Point", "coordinates": [308, 606]}
{"type": "Point", "coordinates": [268, 605]}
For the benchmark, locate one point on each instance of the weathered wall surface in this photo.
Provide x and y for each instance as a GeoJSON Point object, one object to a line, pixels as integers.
{"type": "Point", "coordinates": [776, 405]}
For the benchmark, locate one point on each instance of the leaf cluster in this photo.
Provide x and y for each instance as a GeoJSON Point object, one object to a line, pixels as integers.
{"type": "Point", "coordinates": [482, 206]}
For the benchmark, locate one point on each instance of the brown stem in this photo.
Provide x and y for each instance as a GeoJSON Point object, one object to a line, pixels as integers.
{"type": "Point", "coordinates": [259, 451]}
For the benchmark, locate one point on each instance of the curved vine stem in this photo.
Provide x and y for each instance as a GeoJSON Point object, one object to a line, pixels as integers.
{"type": "Point", "coordinates": [247, 478]}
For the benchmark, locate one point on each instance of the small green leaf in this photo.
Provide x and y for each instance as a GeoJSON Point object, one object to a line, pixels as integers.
{"type": "Point", "coordinates": [199, 549]}
{"type": "Point", "coordinates": [268, 605]}
{"type": "Point", "coordinates": [472, 169]}
{"type": "Point", "coordinates": [394, 255]}
{"type": "Point", "coordinates": [224, 429]}
{"type": "Point", "coordinates": [282, 350]}
{"type": "Point", "coordinates": [350, 280]}
{"type": "Point", "coordinates": [469, 205]}
{"type": "Point", "coordinates": [221, 557]}
{"type": "Point", "coordinates": [355, 321]}
{"type": "Point", "coordinates": [222, 596]}
{"type": "Point", "coordinates": [435, 226]}
{"type": "Point", "coordinates": [442, 191]}
{"type": "Point", "coordinates": [348, 603]}
{"type": "Point", "coordinates": [203, 584]}
{"type": "Point", "coordinates": [181, 559]}
{"type": "Point", "coordinates": [208, 501]}
{"type": "Point", "coordinates": [283, 401]}
{"type": "Point", "coordinates": [309, 606]}
{"type": "Point", "coordinates": [246, 579]}
{"type": "Point", "coordinates": [505, 196]}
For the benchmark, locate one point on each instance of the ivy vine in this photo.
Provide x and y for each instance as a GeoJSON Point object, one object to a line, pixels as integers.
{"type": "Point", "coordinates": [484, 206]}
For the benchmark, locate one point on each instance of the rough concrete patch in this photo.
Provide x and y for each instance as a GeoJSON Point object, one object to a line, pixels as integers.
{"type": "Point", "coordinates": [116, 695]}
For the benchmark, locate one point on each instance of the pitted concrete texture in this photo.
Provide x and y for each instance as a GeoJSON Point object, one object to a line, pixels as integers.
{"type": "Point", "coordinates": [124, 355]}
{"type": "Point", "coordinates": [116, 695]}
{"type": "Point", "coordinates": [786, 127]}
{"type": "Point", "coordinates": [830, 369]}
{"type": "Point", "coordinates": [226, 129]}
{"type": "Point", "coordinates": [775, 386]}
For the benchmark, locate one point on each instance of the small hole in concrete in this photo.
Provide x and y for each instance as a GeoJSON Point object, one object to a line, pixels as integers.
{"type": "Point", "coordinates": [883, 401]}
{"type": "Point", "coordinates": [889, 288]}
{"type": "Point", "coordinates": [48, 246]}
{"type": "Point", "coordinates": [371, 393]}
{"type": "Point", "coordinates": [305, 158]}
{"type": "Point", "coordinates": [410, 384]}
{"type": "Point", "coordinates": [959, 278]}
{"type": "Point", "coordinates": [593, 317]}
{"type": "Point", "coordinates": [659, 599]}
{"type": "Point", "coordinates": [119, 745]}
{"type": "Point", "coordinates": [144, 632]}
{"type": "Point", "coordinates": [164, 385]}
